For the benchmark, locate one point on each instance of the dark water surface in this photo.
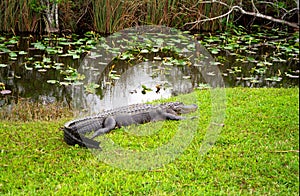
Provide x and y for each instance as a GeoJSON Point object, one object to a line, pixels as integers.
{"type": "Point", "coordinates": [43, 75]}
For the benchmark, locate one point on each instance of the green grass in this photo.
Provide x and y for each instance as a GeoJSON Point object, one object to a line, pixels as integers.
{"type": "Point", "coordinates": [257, 153]}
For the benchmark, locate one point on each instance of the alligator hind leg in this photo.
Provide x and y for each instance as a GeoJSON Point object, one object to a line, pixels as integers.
{"type": "Point", "coordinates": [109, 124]}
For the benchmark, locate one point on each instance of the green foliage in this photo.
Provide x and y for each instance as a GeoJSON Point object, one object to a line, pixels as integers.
{"type": "Point", "coordinates": [19, 15]}
{"type": "Point", "coordinates": [256, 153]}
{"type": "Point", "coordinates": [91, 88]}
{"type": "Point", "coordinates": [36, 6]}
{"type": "Point", "coordinates": [113, 15]}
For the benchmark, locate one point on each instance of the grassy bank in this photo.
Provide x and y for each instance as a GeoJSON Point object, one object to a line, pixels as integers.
{"type": "Point", "coordinates": [256, 153]}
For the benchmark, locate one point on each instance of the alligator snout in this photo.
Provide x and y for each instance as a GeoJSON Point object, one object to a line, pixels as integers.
{"type": "Point", "coordinates": [187, 109]}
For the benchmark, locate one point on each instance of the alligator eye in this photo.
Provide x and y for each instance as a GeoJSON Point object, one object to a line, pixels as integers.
{"type": "Point", "coordinates": [177, 109]}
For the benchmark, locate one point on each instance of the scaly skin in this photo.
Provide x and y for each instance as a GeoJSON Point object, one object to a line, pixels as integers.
{"type": "Point", "coordinates": [111, 119]}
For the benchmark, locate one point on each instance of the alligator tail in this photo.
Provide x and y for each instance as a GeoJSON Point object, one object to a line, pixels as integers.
{"type": "Point", "coordinates": [72, 138]}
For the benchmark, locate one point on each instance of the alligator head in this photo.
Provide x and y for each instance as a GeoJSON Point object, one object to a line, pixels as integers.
{"type": "Point", "coordinates": [180, 108]}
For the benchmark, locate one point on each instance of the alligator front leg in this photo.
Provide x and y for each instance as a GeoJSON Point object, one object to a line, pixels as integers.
{"type": "Point", "coordinates": [159, 115]}
{"type": "Point", "coordinates": [173, 117]}
{"type": "Point", "coordinates": [109, 124]}
{"type": "Point", "coordinates": [169, 116]}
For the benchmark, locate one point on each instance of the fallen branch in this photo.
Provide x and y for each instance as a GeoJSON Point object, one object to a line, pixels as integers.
{"type": "Point", "coordinates": [240, 9]}
{"type": "Point", "coordinates": [284, 151]}
{"type": "Point", "coordinates": [259, 15]}
{"type": "Point", "coordinates": [85, 11]}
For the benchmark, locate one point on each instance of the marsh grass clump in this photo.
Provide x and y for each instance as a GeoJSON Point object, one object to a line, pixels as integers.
{"type": "Point", "coordinates": [26, 110]}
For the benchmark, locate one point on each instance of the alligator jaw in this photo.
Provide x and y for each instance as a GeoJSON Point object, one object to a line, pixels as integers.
{"type": "Point", "coordinates": [185, 109]}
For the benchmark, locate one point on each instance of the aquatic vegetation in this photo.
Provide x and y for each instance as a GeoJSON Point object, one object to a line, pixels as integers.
{"type": "Point", "coordinates": [256, 54]}
{"type": "Point", "coordinates": [263, 58]}
{"type": "Point", "coordinates": [4, 91]}
{"type": "Point", "coordinates": [91, 87]}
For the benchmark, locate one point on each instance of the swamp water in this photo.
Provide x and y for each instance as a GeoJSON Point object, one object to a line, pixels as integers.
{"type": "Point", "coordinates": [50, 69]}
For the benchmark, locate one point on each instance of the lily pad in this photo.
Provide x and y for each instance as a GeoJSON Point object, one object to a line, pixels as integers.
{"type": "Point", "coordinates": [5, 92]}
{"type": "Point", "coordinates": [42, 70]}
{"type": "Point", "coordinates": [145, 88]}
{"type": "Point", "coordinates": [52, 81]}
{"type": "Point", "coordinates": [13, 54]}
{"type": "Point", "coordinates": [28, 68]}
{"type": "Point", "coordinates": [291, 76]}
{"type": "Point", "coordinates": [144, 51]}
{"type": "Point", "coordinates": [214, 50]}
{"type": "Point", "coordinates": [22, 52]}
{"type": "Point", "coordinates": [65, 83]}
{"type": "Point", "coordinates": [91, 88]}
{"type": "Point", "coordinates": [157, 58]}
{"type": "Point", "coordinates": [39, 45]}
{"type": "Point", "coordinates": [114, 76]}
{"type": "Point", "coordinates": [274, 79]}
{"type": "Point", "coordinates": [186, 77]}
{"type": "Point", "coordinates": [203, 86]}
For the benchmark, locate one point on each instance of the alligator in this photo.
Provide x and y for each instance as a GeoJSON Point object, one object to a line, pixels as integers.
{"type": "Point", "coordinates": [104, 122]}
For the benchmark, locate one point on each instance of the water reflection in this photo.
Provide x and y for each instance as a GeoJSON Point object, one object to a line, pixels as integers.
{"type": "Point", "coordinates": [129, 86]}
{"type": "Point", "coordinates": [170, 80]}
{"type": "Point", "coordinates": [161, 82]}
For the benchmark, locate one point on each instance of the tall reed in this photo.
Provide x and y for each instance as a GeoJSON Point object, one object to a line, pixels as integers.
{"type": "Point", "coordinates": [113, 15]}
{"type": "Point", "coordinates": [18, 15]}
{"type": "Point", "coordinates": [108, 16]}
